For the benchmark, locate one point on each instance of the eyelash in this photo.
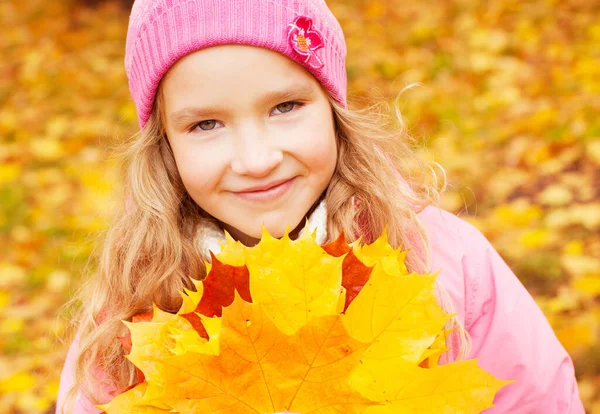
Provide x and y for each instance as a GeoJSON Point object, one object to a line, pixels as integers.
{"type": "Point", "coordinates": [296, 104]}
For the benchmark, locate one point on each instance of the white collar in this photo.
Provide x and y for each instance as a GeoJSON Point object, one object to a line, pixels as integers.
{"type": "Point", "coordinates": [211, 235]}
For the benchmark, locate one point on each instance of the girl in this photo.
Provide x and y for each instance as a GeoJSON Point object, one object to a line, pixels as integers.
{"type": "Point", "coordinates": [244, 122]}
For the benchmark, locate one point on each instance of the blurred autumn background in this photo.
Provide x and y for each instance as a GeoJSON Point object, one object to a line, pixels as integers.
{"type": "Point", "coordinates": [509, 105]}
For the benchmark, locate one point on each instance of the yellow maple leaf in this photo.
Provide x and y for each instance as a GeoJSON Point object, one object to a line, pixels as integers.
{"type": "Point", "coordinates": [294, 281]}
{"type": "Point", "coordinates": [295, 347]}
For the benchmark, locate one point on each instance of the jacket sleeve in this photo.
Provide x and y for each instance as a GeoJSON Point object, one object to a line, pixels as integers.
{"type": "Point", "coordinates": [512, 337]}
{"type": "Point", "coordinates": [82, 404]}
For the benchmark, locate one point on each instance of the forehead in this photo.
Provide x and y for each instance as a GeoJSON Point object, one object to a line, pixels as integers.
{"type": "Point", "coordinates": [228, 73]}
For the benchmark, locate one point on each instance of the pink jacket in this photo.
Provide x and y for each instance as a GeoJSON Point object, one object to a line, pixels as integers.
{"type": "Point", "coordinates": [510, 335]}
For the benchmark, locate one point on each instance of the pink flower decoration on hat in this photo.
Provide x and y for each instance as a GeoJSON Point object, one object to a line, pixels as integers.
{"type": "Point", "coordinates": [305, 41]}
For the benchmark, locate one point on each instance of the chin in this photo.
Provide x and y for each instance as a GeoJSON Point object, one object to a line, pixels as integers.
{"type": "Point", "coordinates": [277, 227]}
{"type": "Point", "coordinates": [275, 224]}
{"type": "Point", "coordinates": [276, 230]}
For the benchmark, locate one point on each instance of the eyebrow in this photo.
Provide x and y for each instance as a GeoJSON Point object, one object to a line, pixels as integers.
{"type": "Point", "coordinates": [189, 114]}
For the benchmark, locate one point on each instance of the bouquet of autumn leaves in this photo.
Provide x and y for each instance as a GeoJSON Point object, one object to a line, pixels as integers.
{"type": "Point", "coordinates": [291, 326]}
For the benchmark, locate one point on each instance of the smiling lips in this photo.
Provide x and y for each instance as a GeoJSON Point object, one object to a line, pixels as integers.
{"type": "Point", "coordinates": [266, 192]}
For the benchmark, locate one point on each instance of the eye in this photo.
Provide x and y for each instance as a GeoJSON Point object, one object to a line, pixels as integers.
{"type": "Point", "coordinates": [287, 106]}
{"type": "Point", "coordinates": [207, 125]}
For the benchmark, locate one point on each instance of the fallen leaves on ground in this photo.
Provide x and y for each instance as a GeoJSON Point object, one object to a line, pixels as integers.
{"type": "Point", "coordinates": [508, 106]}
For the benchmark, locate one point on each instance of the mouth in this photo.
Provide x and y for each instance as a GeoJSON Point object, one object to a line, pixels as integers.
{"type": "Point", "coordinates": [267, 192]}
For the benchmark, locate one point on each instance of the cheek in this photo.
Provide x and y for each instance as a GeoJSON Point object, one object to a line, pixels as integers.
{"type": "Point", "coordinates": [315, 146]}
{"type": "Point", "coordinates": [200, 170]}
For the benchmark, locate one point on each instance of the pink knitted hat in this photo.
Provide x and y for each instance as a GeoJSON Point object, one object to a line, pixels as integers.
{"type": "Point", "coordinates": [162, 31]}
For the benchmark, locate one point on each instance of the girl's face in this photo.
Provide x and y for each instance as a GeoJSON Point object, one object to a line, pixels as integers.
{"type": "Point", "coordinates": [253, 137]}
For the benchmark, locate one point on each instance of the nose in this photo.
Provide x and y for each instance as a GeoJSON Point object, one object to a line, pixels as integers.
{"type": "Point", "coordinates": [255, 153]}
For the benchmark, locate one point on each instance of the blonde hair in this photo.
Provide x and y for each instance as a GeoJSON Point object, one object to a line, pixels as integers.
{"type": "Point", "coordinates": [150, 251]}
